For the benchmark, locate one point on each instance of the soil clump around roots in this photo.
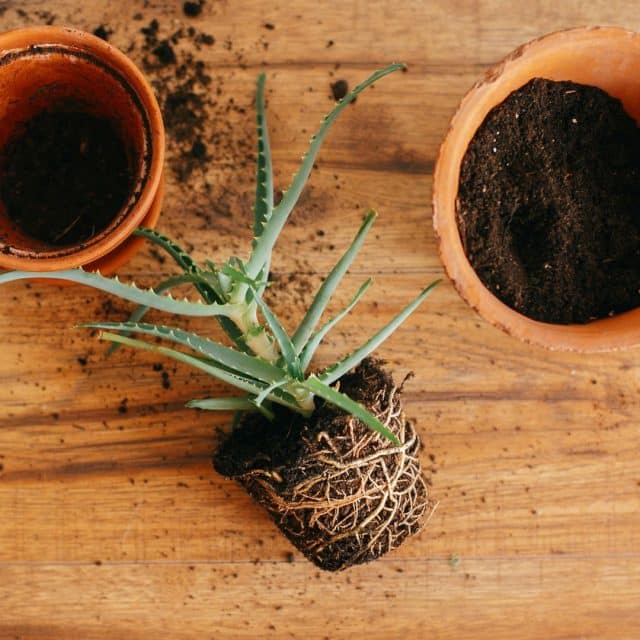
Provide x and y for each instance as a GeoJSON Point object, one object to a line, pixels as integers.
{"type": "Point", "coordinates": [340, 492]}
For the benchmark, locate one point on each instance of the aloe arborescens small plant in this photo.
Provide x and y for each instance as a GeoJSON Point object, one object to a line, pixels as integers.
{"type": "Point", "coordinates": [338, 468]}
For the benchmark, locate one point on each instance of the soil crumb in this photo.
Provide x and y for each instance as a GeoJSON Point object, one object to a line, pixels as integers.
{"type": "Point", "coordinates": [193, 9]}
{"type": "Point", "coordinates": [549, 203]}
{"type": "Point", "coordinates": [102, 32]}
{"type": "Point", "coordinates": [339, 89]}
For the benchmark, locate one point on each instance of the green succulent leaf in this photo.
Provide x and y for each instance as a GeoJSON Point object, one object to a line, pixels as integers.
{"type": "Point", "coordinates": [263, 278]}
{"type": "Point", "coordinates": [229, 358]}
{"type": "Point", "coordinates": [245, 383]}
{"type": "Point", "coordinates": [262, 396]}
{"type": "Point", "coordinates": [287, 350]}
{"type": "Point", "coordinates": [264, 171]}
{"type": "Point", "coordinates": [264, 176]}
{"type": "Point", "coordinates": [329, 286]}
{"type": "Point", "coordinates": [231, 404]}
{"type": "Point", "coordinates": [318, 336]}
{"type": "Point", "coordinates": [264, 243]}
{"type": "Point", "coordinates": [140, 311]}
{"type": "Point", "coordinates": [179, 255]}
{"type": "Point", "coordinates": [238, 276]}
{"type": "Point", "coordinates": [222, 404]}
{"type": "Point", "coordinates": [131, 292]}
{"type": "Point", "coordinates": [330, 375]}
{"type": "Point", "coordinates": [331, 395]}
{"type": "Point", "coordinates": [209, 288]}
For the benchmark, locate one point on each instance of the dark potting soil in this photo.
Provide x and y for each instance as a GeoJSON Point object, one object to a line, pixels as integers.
{"type": "Point", "coordinates": [549, 203]}
{"type": "Point", "coordinates": [64, 177]}
{"type": "Point", "coordinates": [256, 442]}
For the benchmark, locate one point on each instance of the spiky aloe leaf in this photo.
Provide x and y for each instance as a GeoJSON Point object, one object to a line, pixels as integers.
{"type": "Point", "coordinates": [287, 351]}
{"type": "Point", "coordinates": [318, 336]}
{"type": "Point", "coordinates": [241, 382]}
{"type": "Point", "coordinates": [332, 373]}
{"type": "Point", "coordinates": [261, 397]}
{"type": "Point", "coordinates": [129, 292]}
{"type": "Point", "coordinates": [264, 171]}
{"type": "Point", "coordinates": [264, 174]}
{"type": "Point", "coordinates": [179, 255]}
{"type": "Point", "coordinates": [222, 404]}
{"type": "Point", "coordinates": [329, 285]}
{"type": "Point", "coordinates": [238, 276]}
{"type": "Point", "coordinates": [139, 312]}
{"type": "Point", "coordinates": [331, 395]}
{"type": "Point", "coordinates": [264, 194]}
{"type": "Point", "coordinates": [210, 288]}
{"type": "Point", "coordinates": [264, 243]}
{"type": "Point", "coordinates": [231, 404]}
{"type": "Point", "coordinates": [226, 356]}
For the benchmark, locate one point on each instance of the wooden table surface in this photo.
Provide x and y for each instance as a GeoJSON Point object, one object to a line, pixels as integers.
{"type": "Point", "coordinates": [113, 523]}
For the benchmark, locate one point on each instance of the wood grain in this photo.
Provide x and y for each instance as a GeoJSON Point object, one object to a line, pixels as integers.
{"type": "Point", "coordinates": [113, 524]}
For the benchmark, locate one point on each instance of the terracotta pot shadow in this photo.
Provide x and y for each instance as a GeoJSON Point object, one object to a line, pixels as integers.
{"type": "Point", "coordinates": [46, 68]}
{"type": "Point", "coordinates": [605, 57]}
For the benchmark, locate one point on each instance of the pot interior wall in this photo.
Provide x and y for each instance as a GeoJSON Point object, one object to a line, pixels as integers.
{"type": "Point", "coordinates": [59, 78]}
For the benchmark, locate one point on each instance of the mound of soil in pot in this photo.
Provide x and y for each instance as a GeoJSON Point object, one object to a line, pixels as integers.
{"type": "Point", "coordinates": [549, 203]}
{"type": "Point", "coordinates": [341, 493]}
{"type": "Point", "coordinates": [64, 176]}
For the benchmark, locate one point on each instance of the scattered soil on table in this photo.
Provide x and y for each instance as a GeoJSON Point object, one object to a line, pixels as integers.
{"type": "Point", "coordinates": [193, 9]}
{"type": "Point", "coordinates": [549, 203]}
{"type": "Point", "coordinates": [198, 119]}
{"type": "Point", "coordinates": [341, 493]}
{"type": "Point", "coordinates": [65, 176]}
{"type": "Point", "coordinates": [102, 32]}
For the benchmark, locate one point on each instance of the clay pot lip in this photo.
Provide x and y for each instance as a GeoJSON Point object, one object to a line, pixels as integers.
{"type": "Point", "coordinates": [608, 334]}
{"type": "Point", "coordinates": [125, 223]}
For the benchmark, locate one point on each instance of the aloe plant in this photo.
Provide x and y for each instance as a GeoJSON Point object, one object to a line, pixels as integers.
{"type": "Point", "coordinates": [265, 363]}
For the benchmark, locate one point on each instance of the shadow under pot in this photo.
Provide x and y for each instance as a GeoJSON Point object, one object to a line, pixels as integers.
{"type": "Point", "coordinates": [81, 152]}
{"type": "Point", "coordinates": [536, 196]}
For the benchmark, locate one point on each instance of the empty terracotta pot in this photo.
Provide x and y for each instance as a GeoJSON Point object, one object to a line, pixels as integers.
{"type": "Point", "coordinates": [42, 69]}
{"type": "Point", "coordinates": [605, 57]}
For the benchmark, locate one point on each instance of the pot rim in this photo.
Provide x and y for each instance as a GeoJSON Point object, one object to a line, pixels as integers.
{"type": "Point", "coordinates": [100, 52]}
{"type": "Point", "coordinates": [608, 334]}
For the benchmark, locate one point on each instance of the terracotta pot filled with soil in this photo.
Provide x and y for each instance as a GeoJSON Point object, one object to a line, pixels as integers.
{"type": "Point", "coordinates": [536, 192]}
{"type": "Point", "coordinates": [81, 151]}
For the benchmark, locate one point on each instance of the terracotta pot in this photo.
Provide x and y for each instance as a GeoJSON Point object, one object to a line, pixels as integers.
{"type": "Point", "coordinates": [43, 68]}
{"type": "Point", "coordinates": [605, 57]}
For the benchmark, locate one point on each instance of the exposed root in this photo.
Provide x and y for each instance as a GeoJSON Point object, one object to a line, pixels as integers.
{"type": "Point", "coordinates": [354, 495]}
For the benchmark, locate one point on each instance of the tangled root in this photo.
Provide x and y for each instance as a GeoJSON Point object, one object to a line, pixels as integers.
{"type": "Point", "coordinates": [347, 495]}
